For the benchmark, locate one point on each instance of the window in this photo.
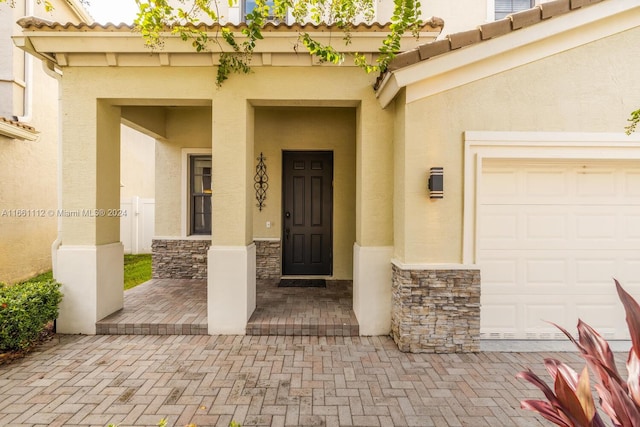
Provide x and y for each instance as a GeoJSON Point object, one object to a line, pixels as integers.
{"type": "Point", "coordinates": [249, 5]}
{"type": "Point", "coordinates": [507, 7]}
{"type": "Point", "coordinates": [200, 194]}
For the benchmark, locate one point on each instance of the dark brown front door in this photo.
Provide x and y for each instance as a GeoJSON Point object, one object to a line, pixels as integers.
{"type": "Point", "coordinates": [307, 179]}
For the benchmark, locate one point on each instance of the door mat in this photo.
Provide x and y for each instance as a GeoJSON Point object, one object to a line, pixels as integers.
{"type": "Point", "coordinates": [302, 283]}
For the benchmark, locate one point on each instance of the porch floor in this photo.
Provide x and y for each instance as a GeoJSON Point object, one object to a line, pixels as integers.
{"type": "Point", "coordinates": [160, 307]}
{"type": "Point", "coordinates": [179, 307]}
{"type": "Point", "coordinates": [304, 311]}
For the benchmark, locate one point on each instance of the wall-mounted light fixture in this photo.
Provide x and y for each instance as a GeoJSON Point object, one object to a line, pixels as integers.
{"type": "Point", "coordinates": [436, 183]}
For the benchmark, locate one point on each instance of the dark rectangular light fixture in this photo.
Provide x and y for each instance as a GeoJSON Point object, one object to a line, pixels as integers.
{"type": "Point", "coordinates": [436, 183]}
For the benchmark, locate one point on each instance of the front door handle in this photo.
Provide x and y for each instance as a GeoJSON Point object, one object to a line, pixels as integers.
{"type": "Point", "coordinates": [287, 214]}
{"type": "Point", "coordinates": [286, 232]}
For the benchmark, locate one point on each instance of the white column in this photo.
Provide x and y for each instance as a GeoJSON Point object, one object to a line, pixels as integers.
{"type": "Point", "coordinates": [372, 288]}
{"type": "Point", "coordinates": [89, 259]}
{"type": "Point", "coordinates": [92, 283]}
{"type": "Point", "coordinates": [231, 281]}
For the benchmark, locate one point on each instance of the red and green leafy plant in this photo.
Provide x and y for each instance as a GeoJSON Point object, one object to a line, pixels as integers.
{"type": "Point", "coordinates": [571, 403]}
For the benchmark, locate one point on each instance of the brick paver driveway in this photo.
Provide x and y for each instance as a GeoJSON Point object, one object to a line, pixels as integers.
{"type": "Point", "coordinates": [305, 381]}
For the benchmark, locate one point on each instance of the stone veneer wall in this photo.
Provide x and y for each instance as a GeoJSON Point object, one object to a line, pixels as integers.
{"type": "Point", "coordinates": [179, 259]}
{"type": "Point", "coordinates": [268, 259]}
{"type": "Point", "coordinates": [436, 311]}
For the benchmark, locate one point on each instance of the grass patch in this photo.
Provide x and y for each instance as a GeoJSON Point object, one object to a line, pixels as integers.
{"type": "Point", "coordinates": [137, 269]}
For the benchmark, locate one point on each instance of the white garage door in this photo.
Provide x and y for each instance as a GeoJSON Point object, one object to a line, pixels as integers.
{"type": "Point", "coordinates": [551, 236]}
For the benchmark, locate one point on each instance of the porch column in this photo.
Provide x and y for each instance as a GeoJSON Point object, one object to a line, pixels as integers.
{"type": "Point", "coordinates": [89, 260]}
{"type": "Point", "coordinates": [373, 248]}
{"type": "Point", "coordinates": [231, 277]}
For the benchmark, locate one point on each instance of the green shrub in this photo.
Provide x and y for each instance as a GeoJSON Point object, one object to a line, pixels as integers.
{"type": "Point", "coordinates": [25, 310]}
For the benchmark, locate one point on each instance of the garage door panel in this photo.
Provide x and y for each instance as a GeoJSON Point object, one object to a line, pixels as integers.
{"type": "Point", "coordinates": [595, 226]}
{"type": "Point", "coordinates": [499, 321]}
{"type": "Point", "coordinates": [631, 184]}
{"type": "Point", "coordinates": [546, 183]}
{"type": "Point", "coordinates": [501, 184]}
{"type": "Point", "coordinates": [546, 226]}
{"type": "Point", "coordinates": [572, 230]}
{"type": "Point", "coordinates": [593, 184]}
{"type": "Point", "coordinates": [631, 224]}
{"type": "Point", "coordinates": [546, 272]}
{"type": "Point", "coordinates": [629, 275]}
{"type": "Point", "coordinates": [499, 226]}
{"type": "Point", "coordinates": [538, 316]}
{"type": "Point", "coordinates": [501, 271]}
{"type": "Point", "coordinates": [604, 317]}
{"type": "Point", "coordinates": [596, 271]}
{"type": "Point", "coordinates": [551, 236]}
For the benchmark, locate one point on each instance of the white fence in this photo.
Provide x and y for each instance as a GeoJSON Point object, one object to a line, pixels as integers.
{"type": "Point", "coordinates": [137, 227]}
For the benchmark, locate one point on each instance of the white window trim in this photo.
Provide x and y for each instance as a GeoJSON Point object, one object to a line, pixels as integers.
{"type": "Point", "coordinates": [481, 145]}
{"type": "Point", "coordinates": [184, 190]}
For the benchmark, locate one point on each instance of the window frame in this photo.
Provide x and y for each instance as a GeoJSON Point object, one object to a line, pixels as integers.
{"type": "Point", "coordinates": [243, 11]}
{"type": "Point", "coordinates": [186, 217]}
{"type": "Point", "coordinates": [195, 195]}
{"type": "Point", "coordinates": [494, 12]}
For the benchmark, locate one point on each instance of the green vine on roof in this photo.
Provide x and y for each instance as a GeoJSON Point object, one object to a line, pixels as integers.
{"type": "Point", "coordinates": [156, 18]}
{"type": "Point", "coordinates": [633, 122]}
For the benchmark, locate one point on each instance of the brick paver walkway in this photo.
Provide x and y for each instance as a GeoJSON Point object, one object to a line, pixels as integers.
{"type": "Point", "coordinates": [298, 381]}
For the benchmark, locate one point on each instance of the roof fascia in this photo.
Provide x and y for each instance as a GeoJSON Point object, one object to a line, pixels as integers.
{"type": "Point", "coordinates": [132, 42]}
{"type": "Point", "coordinates": [16, 132]}
{"type": "Point", "coordinates": [517, 48]}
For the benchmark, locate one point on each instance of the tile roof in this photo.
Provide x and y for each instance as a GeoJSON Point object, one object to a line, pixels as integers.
{"type": "Point", "coordinates": [17, 124]}
{"type": "Point", "coordinates": [42, 24]}
{"type": "Point", "coordinates": [483, 33]}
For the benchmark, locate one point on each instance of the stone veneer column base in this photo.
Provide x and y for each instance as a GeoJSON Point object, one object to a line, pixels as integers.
{"type": "Point", "coordinates": [436, 310]}
{"type": "Point", "coordinates": [268, 259]}
{"type": "Point", "coordinates": [179, 258]}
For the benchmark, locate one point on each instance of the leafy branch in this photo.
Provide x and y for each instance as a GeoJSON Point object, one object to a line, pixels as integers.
{"type": "Point", "coordinates": [158, 17]}
{"type": "Point", "coordinates": [633, 122]}
{"type": "Point", "coordinates": [47, 4]}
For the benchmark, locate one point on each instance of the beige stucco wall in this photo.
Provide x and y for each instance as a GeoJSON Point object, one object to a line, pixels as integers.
{"type": "Point", "coordinates": [137, 167]}
{"type": "Point", "coordinates": [319, 86]}
{"type": "Point", "coordinates": [80, 120]}
{"type": "Point", "coordinates": [319, 129]}
{"type": "Point", "coordinates": [358, 129]}
{"type": "Point", "coordinates": [592, 88]}
{"type": "Point", "coordinates": [187, 128]}
{"type": "Point", "coordinates": [28, 169]}
{"type": "Point", "coordinates": [399, 195]}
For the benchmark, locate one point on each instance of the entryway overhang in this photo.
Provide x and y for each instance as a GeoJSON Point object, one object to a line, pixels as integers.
{"type": "Point", "coordinates": [96, 45]}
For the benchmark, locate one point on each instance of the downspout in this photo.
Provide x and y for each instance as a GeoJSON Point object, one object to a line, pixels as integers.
{"type": "Point", "coordinates": [50, 70]}
{"type": "Point", "coordinates": [28, 75]}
